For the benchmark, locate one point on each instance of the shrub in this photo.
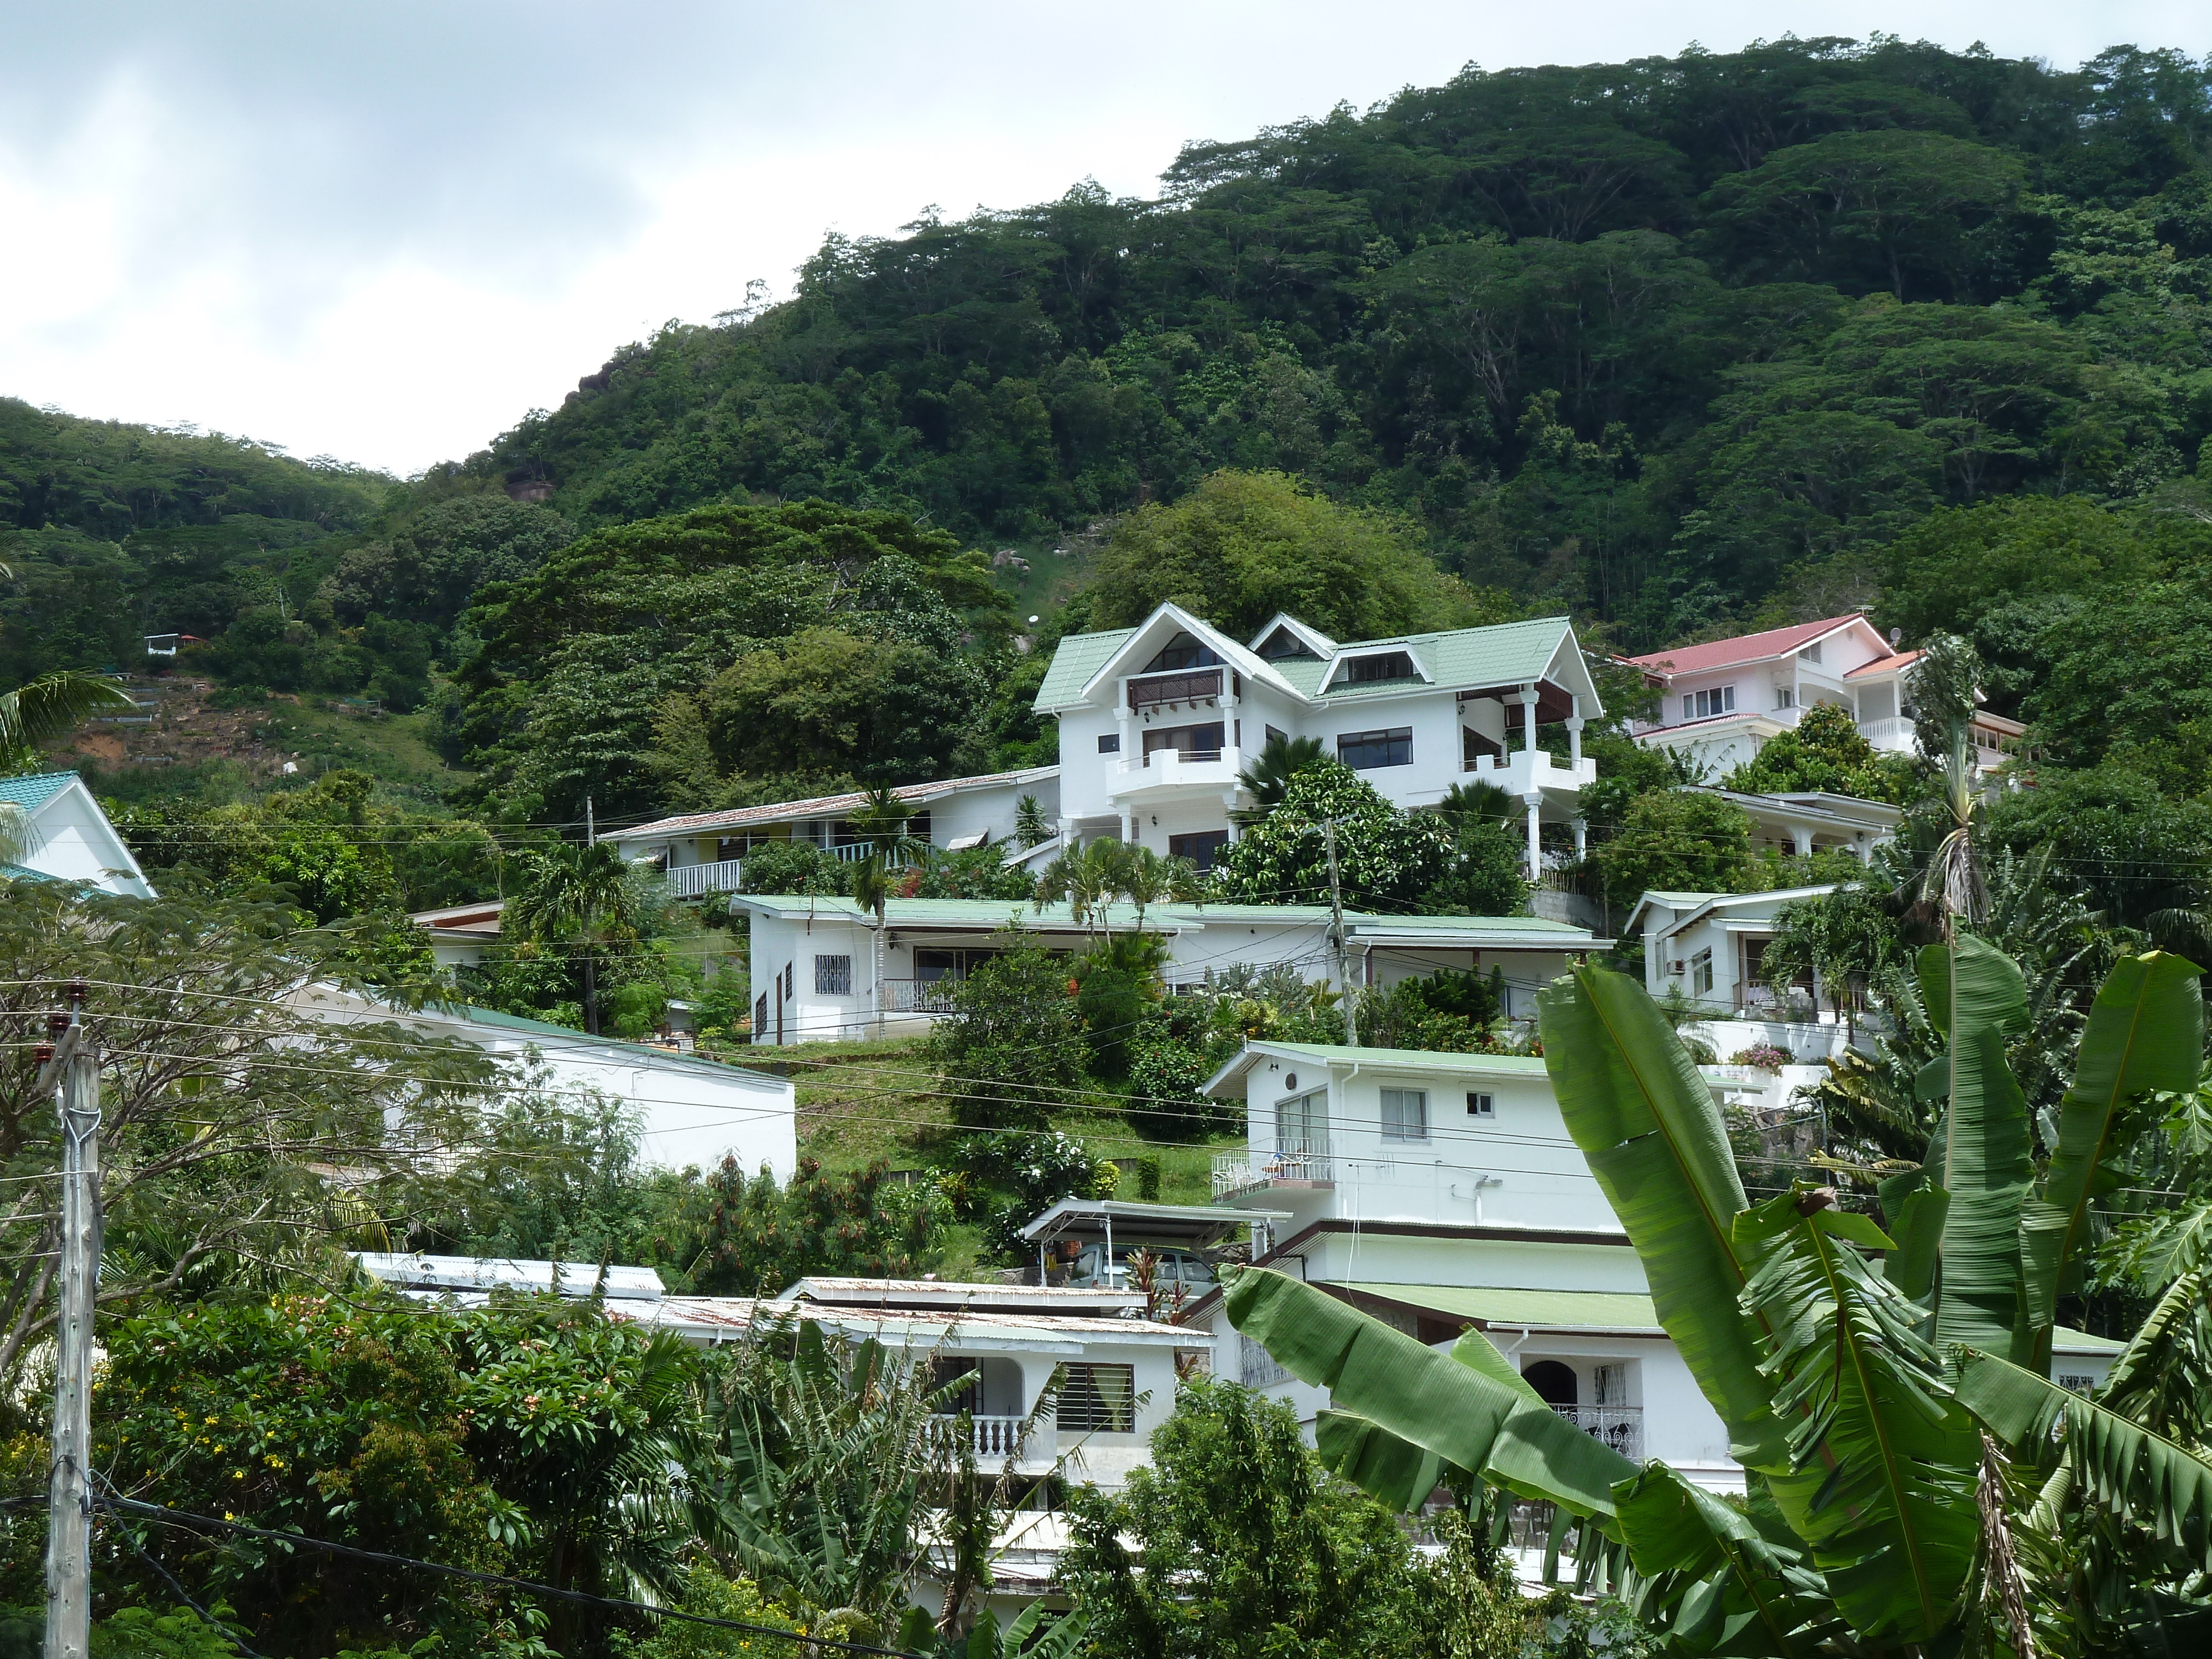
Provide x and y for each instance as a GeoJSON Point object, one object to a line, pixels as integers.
{"type": "Point", "coordinates": [793, 866]}
{"type": "Point", "coordinates": [1012, 1045]}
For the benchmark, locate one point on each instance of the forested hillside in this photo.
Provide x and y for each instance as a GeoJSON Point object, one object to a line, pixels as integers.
{"type": "Point", "coordinates": [1673, 344]}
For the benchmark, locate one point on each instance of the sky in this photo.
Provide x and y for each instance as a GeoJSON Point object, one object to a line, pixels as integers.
{"type": "Point", "coordinates": [384, 233]}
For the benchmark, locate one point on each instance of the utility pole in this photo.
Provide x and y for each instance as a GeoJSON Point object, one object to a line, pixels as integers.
{"type": "Point", "coordinates": [76, 1070]}
{"type": "Point", "coordinates": [591, 834]}
{"type": "Point", "coordinates": [1336, 935]}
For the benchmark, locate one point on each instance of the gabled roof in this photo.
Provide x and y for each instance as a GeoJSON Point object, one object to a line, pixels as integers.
{"type": "Point", "coordinates": [1162, 625]}
{"type": "Point", "coordinates": [1720, 903]}
{"type": "Point", "coordinates": [828, 806]}
{"type": "Point", "coordinates": [1460, 659]}
{"type": "Point", "coordinates": [1745, 647]}
{"type": "Point", "coordinates": [1889, 665]}
{"type": "Point", "coordinates": [34, 789]}
{"type": "Point", "coordinates": [1313, 639]}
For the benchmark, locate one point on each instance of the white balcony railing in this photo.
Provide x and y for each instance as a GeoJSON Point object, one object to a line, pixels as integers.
{"type": "Point", "coordinates": [997, 1438]}
{"type": "Point", "coordinates": [1209, 769]}
{"type": "Point", "coordinates": [1891, 736]}
{"type": "Point", "coordinates": [1620, 1427]}
{"type": "Point", "coordinates": [919, 996]}
{"type": "Point", "coordinates": [721, 876]}
{"type": "Point", "coordinates": [1524, 771]}
{"type": "Point", "coordinates": [1242, 1172]}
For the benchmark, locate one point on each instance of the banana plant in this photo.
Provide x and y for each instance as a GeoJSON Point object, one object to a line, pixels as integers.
{"type": "Point", "coordinates": [1866, 1375]}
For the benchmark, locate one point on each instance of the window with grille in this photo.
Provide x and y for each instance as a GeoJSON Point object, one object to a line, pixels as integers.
{"type": "Point", "coordinates": [1363, 751]}
{"type": "Point", "coordinates": [790, 980]}
{"type": "Point", "coordinates": [1404, 1115]}
{"type": "Point", "coordinates": [760, 1014]}
{"type": "Point", "coordinates": [1258, 1369]}
{"type": "Point", "coordinates": [1098, 1399]}
{"type": "Point", "coordinates": [833, 976]}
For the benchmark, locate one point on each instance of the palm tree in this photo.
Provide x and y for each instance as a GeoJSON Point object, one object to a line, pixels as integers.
{"type": "Point", "coordinates": [880, 825]}
{"type": "Point", "coordinates": [584, 896]}
{"type": "Point", "coordinates": [1146, 878]}
{"type": "Point", "coordinates": [1887, 1412]}
{"type": "Point", "coordinates": [1280, 761]}
{"type": "Point", "coordinates": [1953, 881]}
{"type": "Point", "coordinates": [1465, 805]}
{"type": "Point", "coordinates": [1089, 877]}
{"type": "Point", "coordinates": [37, 712]}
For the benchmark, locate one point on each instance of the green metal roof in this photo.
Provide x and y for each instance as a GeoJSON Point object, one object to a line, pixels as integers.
{"type": "Point", "coordinates": [1077, 658]}
{"type": "Point", "coordinates": [1611, 1310]}
{"type": "Point", "coordinates": [34, 789]}
{"type": "Point", "coordinates": [1405, 1060]}
{"type": "Point", "coordinates": [646, 1055]}
{"type": "Point", "coordinates": [996, 913]}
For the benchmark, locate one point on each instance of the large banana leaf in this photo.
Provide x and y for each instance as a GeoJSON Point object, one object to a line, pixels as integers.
{"type": "Point", "coordinates": [1460, 1412]}
{"type": "Point", "coordinates": [1915, 1206]}
{"type": "Point", "coordinates": [2141, 1476]}
{"type": "Point", "coordinates": [1881, 1481]}
{"type": "Point", "coordinates": [1976, 997]}
{"type": "Point", "coordinates": [1397, 1472]}
{"type": "Point", "coordinates": [2146, 1031]}
{"type": "Point", "coordinates": [1712, 1580]}
{"type": "Point", "coordinates": [1645, 1119]}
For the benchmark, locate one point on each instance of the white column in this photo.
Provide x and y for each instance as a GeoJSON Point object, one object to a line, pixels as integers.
{"type": "Point", "coordinates": [1535, 845]}
{"type": "Point", "coordinates": [1129, 826]}
{"type": "Point", "coordinates": [1574, 735]}
{"type": "Point", "coordinates": [1582, 839]}
{"type": "Point", "coordinates": [1528, 717]}
{"type": "Point", "coordinates": [1229, 812]}
{"type": "Point", "coordinates": [1800, 841]}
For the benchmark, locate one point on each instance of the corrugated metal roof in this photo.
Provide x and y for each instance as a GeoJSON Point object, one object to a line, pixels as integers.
{"type": "Point", "coordinates": [1743, 649]}
{"type": "Point", "coordinates": [1074, 661]}
{"type": "Point", "coordinates": [34, 789]}
{"type": "Point", "coordinates": [1406, 1060]}
{"type": "Point", "coordinates": [1167, 917]}
{"type": "Point", "coordinates": [819, 806]}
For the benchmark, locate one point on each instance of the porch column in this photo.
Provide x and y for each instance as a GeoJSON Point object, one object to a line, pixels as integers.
{"type": "Point", "coordinates": [1575, 734]}
{"type": "Point", "coordinates": [1800, 841]}
{"type": "Point", "coordinates": [1528, 717]}
{"type": "Point", "coordinates": [1582, 839]}
{"type": "Point", "coordinates": [1129, 826]}
{"type": "Point", "coordinates": [1535, 845]}
{"type": "Point", "coordinates": [1229, 812]}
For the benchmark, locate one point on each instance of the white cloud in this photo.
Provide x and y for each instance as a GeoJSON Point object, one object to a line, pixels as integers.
{"type": "Point", "coordinates": [385, 234]}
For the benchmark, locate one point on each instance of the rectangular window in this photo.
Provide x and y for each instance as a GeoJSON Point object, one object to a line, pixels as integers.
{"type": "Point", "coordinates": [1201, 846]}
{"type": "Point", "coordinates": [790, 980]}
{"type": "Point", "coordinates": [1689, 706]}
{"type": "Point", "coordinates": [1098, 1399]}
{"type": "Point", "coordinates": [1189, 742]}
{"type": "Point", "coordinates": [1363, 751]}
{"type": "Point", "coordinates": [1701, 974]}
{"type": "Point", "coordinates": [1404, 1115]}
{"type": "Point", "coordinates": [1811, 653]}
{"type": "Point", "coordinates": [833, 976]}
{"type": "Point", "coordinates": [2074, 1382]}
{"type": "Point", "coordinates": [1480, 1105]}
{"type": "Point", "coordinates": [964, 1378]}
{"type": "Point", "coordinates": [760, 1015]}
{"type": "Point", "coordinates": [1302, 1125]}
{"type": "Point", "coordinates": [1259, 1369]}
{"type": "Point", "coordinates": [1785, 696]}
{"type": "Point", "coordinates": [1110, 743]}
{"type": "Point", "coordinates": [1378, 669]}
{"type": "Point", "coordinates": [1276, 735]}
{"type": "Point", "coordinates": [1721, 700]}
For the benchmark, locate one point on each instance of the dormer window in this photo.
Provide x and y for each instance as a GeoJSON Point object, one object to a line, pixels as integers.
{"type": "Point", "coordinates": [1181, 652]}
{"type": "Point", "coordinates": [1811, 653]}
{"type": "Point", "coordinates": [1282, 644]}
{"type": "Point", "coordinates": [1378, 668]}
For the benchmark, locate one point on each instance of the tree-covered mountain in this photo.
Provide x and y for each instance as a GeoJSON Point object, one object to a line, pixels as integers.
{"type": "Point", "coordinates": [1667, 342]}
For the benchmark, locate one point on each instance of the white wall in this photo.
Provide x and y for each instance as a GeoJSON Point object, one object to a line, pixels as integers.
{"type": "Point", "coordinates": [76, 843]}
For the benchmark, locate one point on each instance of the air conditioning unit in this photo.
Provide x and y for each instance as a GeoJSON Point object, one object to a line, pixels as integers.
{"type": "Point", "coordinates": [1678, 966]}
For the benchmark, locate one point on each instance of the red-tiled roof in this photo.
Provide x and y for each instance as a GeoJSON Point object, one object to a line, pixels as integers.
{"type": "Point", "coordinates": [1885, 664]}
{"type": "Point", "coordinates": [1745, 647]}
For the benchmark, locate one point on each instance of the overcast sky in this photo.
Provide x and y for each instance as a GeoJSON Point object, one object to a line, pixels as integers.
{"type": "Point", "coordinates": [383, 232]}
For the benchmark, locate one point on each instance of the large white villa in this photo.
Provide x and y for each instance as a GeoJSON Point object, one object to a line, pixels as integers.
{"type": "Point", "coordinates": [1158, 721]}
{"type": "Point", "coordinates": [1721, 701]}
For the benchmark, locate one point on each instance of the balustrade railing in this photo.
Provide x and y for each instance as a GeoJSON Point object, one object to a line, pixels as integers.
{"type": "Point", "coordinates": [1620, 1427]}
{"type": "Point", "coordinates": [1239, 1172]}
{"type": "Point", "coordinates": [1152, 690]}
{"type": "Point", "coordinates": [998, 1438]}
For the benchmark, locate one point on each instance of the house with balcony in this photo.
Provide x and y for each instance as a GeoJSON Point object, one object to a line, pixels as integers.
{"type": "Point", "coordinates": [1441, 1193]}
{"type": "Point", "coordinates": [1158, 721]}
{"type": "Point", "coordinates": [703, 852]}
{"type": "Point", "coordinates": [1722, 701]}
{"type": "Point", "coordinates": [1711, 948]}
{"type": "Point", "coordinates": [815, 963]}
{"type": "Point", "coordinates": [1002, 1343]}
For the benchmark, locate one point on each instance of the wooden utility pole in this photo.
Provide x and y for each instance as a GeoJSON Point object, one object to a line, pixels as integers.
{"type": "Point", "coordinates": [1336, 935]}
{"type": "Point", "coordinates": [75, 1069]}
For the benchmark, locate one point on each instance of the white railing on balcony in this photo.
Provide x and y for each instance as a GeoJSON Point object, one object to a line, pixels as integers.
{"type": "Point", "coordinates": [1241, 1172]}
{"type": "Point", "coordinates": [996, 1438]}
{"type": "Point", "coordinates": [1892, 735]}
{"type": "Point", "coordinates": [919, 996]}
{"type": "Point", "coordinates": [696, 880]}
{"type": "Point", "coordinates": [1620, 1427]}
{"type": "Point", "coordinates": [1526, 769]}
{"type": "Point", "coordinates": [1192, 685]}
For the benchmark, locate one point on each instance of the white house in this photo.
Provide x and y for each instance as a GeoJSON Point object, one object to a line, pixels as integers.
{"type": "Point", "coordinates": [1711, 947]}
{"type": "Point", "coordinates": [69, 837]}
{"type": "Point", "coordinates": [1008, 1340]}
{"type": "Point", "coordinates": [813, 958]}
{"type": "Point", "coordinates": [1815, 820]}
{"type": "Point", "coordinates": [690, 1111]}
{"type": "Point", "coordinates": [1158, 721]}
{"type": "Point", "coordinates": [701, 852]}
{"type": "Point", "coordinates": [1721, 701]}
{"type": "Point", "coordinates": [1442, 1191]}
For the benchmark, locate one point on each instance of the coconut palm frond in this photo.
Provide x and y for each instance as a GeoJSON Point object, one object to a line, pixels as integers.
{"type": "Point", "coordinates": [42, 709]}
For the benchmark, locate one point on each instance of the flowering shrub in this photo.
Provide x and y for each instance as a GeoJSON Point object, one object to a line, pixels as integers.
{"type": "Point", "coordinates": [1761, 1056]}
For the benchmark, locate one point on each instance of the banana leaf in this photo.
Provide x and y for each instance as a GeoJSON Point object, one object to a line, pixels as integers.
{"type": "Point", "coordinates": [1396, 1471]}
{"type": "Point", "coordinates": [1646, 1119]}
{"type": "Point", "coordinates": [1976, 996]}
{"type": "Point", "coordinates": [2146, 1031]}
{"type": "Point", "coordinates": [1916, 1208]}
{"type": "Point", "coordinates": [1710, 1580]}
{"type": "Point", "coordinates": [1882, 1478]}
{"type": "Point", "coordinates": [1461, 1413]}
{"type": "Point", "coordinates": [2139, 1475]}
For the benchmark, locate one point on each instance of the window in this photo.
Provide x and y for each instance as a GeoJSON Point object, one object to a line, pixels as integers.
{"type": "Point", "coordinates": [790, 980]}
{"type": "Point", "coordinates": [1363, 751]}
{"type": "Point", "coordinates": [1099, 1400]}
{"type": "Point", "coordinates": [833, 976]}
{"type": "Point", "coordinates": [1701, 972]}
{"type": "Point", "coordinates": [1110, 743]}
{"type": "Point", "coordinates": [760, 1015]}
{"type": "Point", "coordinates": [1480, 1105]}
{"type": "Point", "coordinates": [1189, 742]}
{"type": "Point", "coordinates": [964, 1377]}
{"type": "Point", "coordinates": [1281, 644]}
{"type": "Point", "coordinates": [1785, 696]}
{"type": "Point", "coordinates": [1378, 669]}
{"type": "Point", "coordinates": [1181, 652]}
{"type": "Point", "coordinates": [1404, 1115]}
{"type": "Point", "coordinates": [1811, 653]}
{"type": "Point", "coordinates": [1201, 846]}
{"type": "Point", "coordinates": [1703, 705]}
{"type": "Point", "coordinates": [2074, 1382]}
{"type": "Point", "coordinates": [933, 964]}
{"type": "Point", "coordinates": [1259, 1368]}
{"type": "Point", "coordinates": [1302, 1125]}
{"type": "Point", "coordinates": [1276, 735]}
